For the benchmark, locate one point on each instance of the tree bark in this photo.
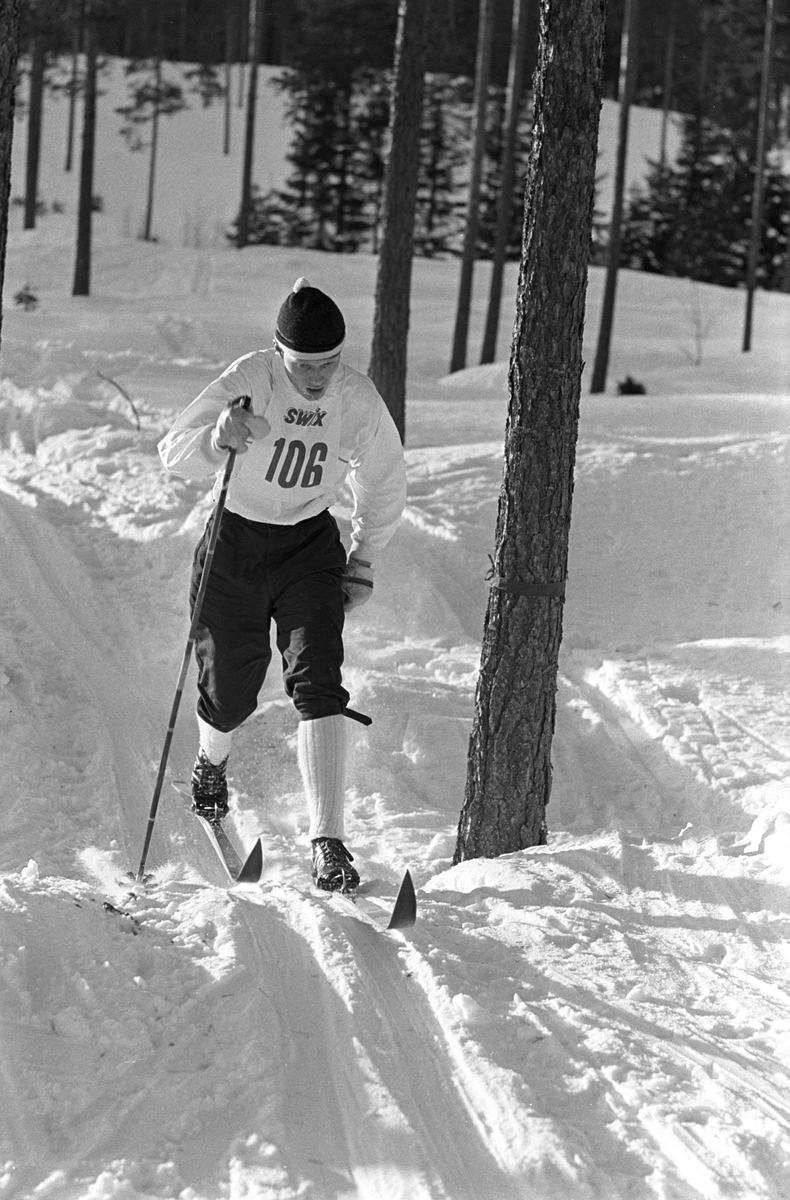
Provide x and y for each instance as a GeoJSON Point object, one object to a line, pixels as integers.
{"type": "Point", "coordinates": [76, 42]}
{"type": "Point", "coordinates": [229, 11]}
{"type": "Point", "coordinates": [9, 50]}
{"type": "Point", "coordinates": [669, 75]}
{"type": "Point", "coordinates": [256, 35]}
{"type": "Point", "coordinates": [628, 67]}
{"type": "Point", "coordinates": [82, 264]}
{"type": "Point", "coordinates": [509, 771]}
{"type": "Point", "coordinates": [518, 54]}
{"type": "Point", "coordinates": [482, 73]}
{"type": "Point", "coordinates": [149, 201]}
{"type": "Point", "coordinates": [758, 193]}
{"type": "Point", "coordinates": [38, 59]}
{"type": "Point", "coordinates": [388, 355]}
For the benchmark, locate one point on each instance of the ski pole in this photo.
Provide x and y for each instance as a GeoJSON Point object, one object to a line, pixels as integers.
{"type": "Point", "coordinates": [244, 401]}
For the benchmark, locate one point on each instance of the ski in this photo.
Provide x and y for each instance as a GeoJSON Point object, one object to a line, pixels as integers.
{"type": "Point", "coordinates": [247, 871]}
{"type": "Point", "coordinates": [404, 911]}
{"type": "Point", "coordinates": [402, 915]}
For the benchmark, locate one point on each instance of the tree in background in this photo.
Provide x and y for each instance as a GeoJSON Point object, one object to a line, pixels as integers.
{"type": "Point", "coordinates": [509, 770]}
{"type": "Point", "coordinates": [230, 42]}
{"type": "Point", "coordinates": [692, 219]}
{"type": "Point", "coordinates": [254, 53]}
{"type": "Point", "coordinates": [443, 152]}
{"type": "Point", "coordinates": [628, 73]}
{"type": "Point", "coordinates": [82, 260]}
{"type": "Point", "coordinates": [758, 185]}
{"type": "Point", "coordinates": [308, 33]}
{"type": "Point", "coordinates": [38, 66]}
{"type": "Point", "coordinates": [469, 251]}
{"type": "Point", "coordinates": [387, 366]}
{"type": "Point", "coordinates": [152, 97]}
{"type": "Point", "coordinates": [332, 197]}
{"type": "Point", "coordinates": [518, 54]}
{"type": "Point", "coordinates": [75, 20]}
{"type": "Point", "coordinates": [9, 49]}
{"type": "Point", "coordinates": [40, 30]}
{"type": "Point", "coordinates": [498, 196]}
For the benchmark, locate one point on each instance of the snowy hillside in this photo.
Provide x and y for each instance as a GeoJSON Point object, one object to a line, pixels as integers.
{"type": "Point", "coordinates": [607, 1017]}
{"type": "Point", "coordinates": [198, 186]}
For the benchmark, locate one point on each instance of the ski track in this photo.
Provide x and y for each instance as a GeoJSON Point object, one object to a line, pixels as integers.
{"type": "Point", "coordinates": [383, 1086]}
{"type": "Point", "coordinates": [633, 1037]}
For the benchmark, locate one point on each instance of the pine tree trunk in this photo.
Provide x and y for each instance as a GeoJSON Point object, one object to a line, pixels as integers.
{"type": "Point", "coordinates": [669, 76]}
{"type": "Point", "coordinates": [256, 34]}
{"type": "Point", "coordinates": [387, 366]}
{"type": "Point", "coordinates": [518, 54]}
{"type": "Point", "coordinates": [9, 49]}
{"type": "Point", "coordinates": [469, 250]}
{"type": "Point", "coordinates": [38, 57]}
{"type": "Point", "coordinates": [82, 264]}
{"type": "Point", "coordinates": [76, 42]}
{"type": "Point", "coordinates": [228, 60]}
{"type": "Point", "coordinates": [627, 87]}
{"type": "Point", "coordinates": [149, 202]}
{"type": "Point", "coordinates": [758, 193]}
{"type": "Point", "coordinates": [509, 772]}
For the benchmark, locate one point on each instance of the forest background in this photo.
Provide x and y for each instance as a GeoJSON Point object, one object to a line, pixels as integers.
{"type": "Point", "coordinates": [700, 60]}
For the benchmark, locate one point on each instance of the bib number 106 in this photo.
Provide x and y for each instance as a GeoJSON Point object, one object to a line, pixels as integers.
{"type": "Point", "coordinates": [293, 465]}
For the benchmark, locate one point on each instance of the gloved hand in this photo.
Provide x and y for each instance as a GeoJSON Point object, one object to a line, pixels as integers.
{"type": "Point", "coordinates": [236, 429]}
{"type": "Point", "coordinates": [357, 582]}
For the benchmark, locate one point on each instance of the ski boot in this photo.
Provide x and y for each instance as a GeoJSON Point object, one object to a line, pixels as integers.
{"type": "Point", "coordinates": [332, 870]}
{"type": "Point", "coordinates": [209, 789]}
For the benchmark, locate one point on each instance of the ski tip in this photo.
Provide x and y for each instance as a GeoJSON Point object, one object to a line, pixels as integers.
{"type": "Point", "coordinates": [253, 867]}
{"type": "Point", "coordinates": [404, 914]}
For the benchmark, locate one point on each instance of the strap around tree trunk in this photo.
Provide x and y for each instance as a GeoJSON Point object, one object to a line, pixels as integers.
{"type": "Point", "coordinates": [516, 588]}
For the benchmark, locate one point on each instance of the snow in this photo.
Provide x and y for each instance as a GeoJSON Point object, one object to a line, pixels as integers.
{"type": "Point", "coordinates": [606, 1016]}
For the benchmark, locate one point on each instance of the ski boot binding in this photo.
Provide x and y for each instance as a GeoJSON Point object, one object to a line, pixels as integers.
{"type": "Point", "coordinates": [332, 870]}
{"type": "Point", "coordinates": [209, 789]}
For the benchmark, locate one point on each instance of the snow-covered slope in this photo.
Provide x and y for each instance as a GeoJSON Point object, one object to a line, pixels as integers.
{"type": "Point", "coordinates": [604, 1017]}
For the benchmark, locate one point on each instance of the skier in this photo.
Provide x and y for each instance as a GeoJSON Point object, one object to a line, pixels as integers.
{"type": "Point", "coordinates": [312, 421]}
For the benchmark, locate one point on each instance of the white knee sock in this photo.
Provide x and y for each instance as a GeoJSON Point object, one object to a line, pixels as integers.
{"type": "Point", "coordinates": [321, 746]}
{"type": "Point", "coordinates": [213, 742]}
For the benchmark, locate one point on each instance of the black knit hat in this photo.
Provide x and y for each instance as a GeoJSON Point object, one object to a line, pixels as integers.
{"type": "Point", "coordinates": [309, 323]}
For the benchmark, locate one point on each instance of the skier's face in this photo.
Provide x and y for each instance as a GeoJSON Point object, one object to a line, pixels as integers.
{"type": "Point", "coordinates": [310, 376]}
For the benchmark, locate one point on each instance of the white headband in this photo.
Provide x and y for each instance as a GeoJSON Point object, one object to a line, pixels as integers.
{"type": "Point", "coordinates": [307, 356]}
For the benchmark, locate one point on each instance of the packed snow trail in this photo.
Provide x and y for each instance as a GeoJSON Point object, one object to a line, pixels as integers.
{"type": "Point", "coordinates": [603, 1017]}
{"type": "Point", "coordinates": [79, 689]}
{"type": "Point", "coordinates": [491, 1053]}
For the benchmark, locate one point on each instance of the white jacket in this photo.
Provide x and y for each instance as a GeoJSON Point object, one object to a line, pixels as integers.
{"type": "Point", "coordinates": [297, 469]}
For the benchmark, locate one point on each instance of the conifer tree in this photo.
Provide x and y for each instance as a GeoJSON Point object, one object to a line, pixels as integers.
{"type": "Point", "coordinates": [41, 25]}
{"type": "Point", "coordinates": [509, 769]}
{"type": "Point", "coordinates": [443, 151]}
{"type": "Point", "coordinates": [9, 49]}
{"type": "Point", "coordinates": [692, 219]}
{"type": "Point", "coordinates": [518, 53]}
{"type": "Point", "coordinates": [255, 45]}
{"type": "Point", "coordinates": [82, 260]}
{"type": "Point", "coordinates": [387, 366]}
{"type": "Point", "coordinates": [38, 65]}
{"type": "Point", "coordinates": [332, 197]}
{"type": "Point", "coordinates": [628, 71]}
{"type": "Point", "coordinates": [469, 251]}
{"type": "Point", "coordinates": [152, 96]}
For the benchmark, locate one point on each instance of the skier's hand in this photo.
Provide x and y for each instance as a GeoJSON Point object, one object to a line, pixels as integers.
{"type": "Point", "coordinates": [236, 429]}
{"type": "Point", "coordinates": [357, 582]}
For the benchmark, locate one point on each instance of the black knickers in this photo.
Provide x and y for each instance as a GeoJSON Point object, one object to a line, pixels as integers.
{"type": "Point", "coordinates": [289, 574]}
